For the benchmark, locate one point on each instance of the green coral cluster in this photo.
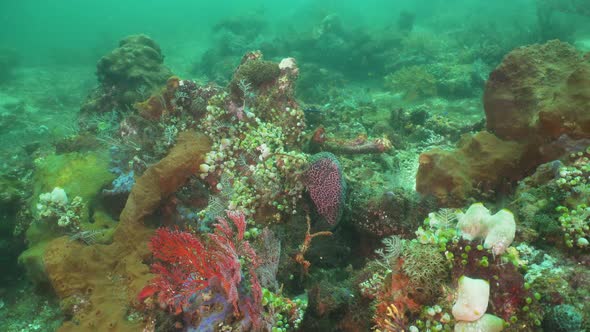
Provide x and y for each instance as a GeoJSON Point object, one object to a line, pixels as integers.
{"type": "Point", "coordinates": [435, 318]}
{"type": "Point", "coordinates": [575, 224]}
{"type": "Point", "coordinates": [252, 158]}
{"type": "Point", "coordinates": [439, 229]}
{"type": "Point", "coordinates": [287, 313]}
{"type": "Point", "coordinates": [575, 175]}
{"type": "Point", "coordinates": [79, 174]}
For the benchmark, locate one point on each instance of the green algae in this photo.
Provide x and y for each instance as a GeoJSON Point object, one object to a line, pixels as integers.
{"type": "Point", "coordinates": [79, 174]}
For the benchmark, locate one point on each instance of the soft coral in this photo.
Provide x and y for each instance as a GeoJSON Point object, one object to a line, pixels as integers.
{"type": "Point", "coordinates": [187, 265]}
{"type": "Point", "coordinates": [181, 270]}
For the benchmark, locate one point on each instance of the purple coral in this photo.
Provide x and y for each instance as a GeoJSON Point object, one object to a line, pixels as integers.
{"type": "Point", "coordinates": [326, 186]}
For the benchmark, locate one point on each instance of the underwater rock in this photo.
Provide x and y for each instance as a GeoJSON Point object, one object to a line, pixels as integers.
{"type": "Point", "coordinates": [138, 61]}
{"type": "Point", "coordinates": [536, 106]}
{"type": "Point", "coordinates": [480, 162]}
{"type": "Point", "coordinates": [540, 92]}
{"type": "Point", "coordinates": [107, 278]}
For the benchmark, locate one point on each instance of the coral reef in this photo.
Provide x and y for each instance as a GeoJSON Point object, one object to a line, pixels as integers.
{"type": "Point", "coordinates": [265, 126]}
{"type": "Point", "coordinates": [425, 270]}
{"type": "Point", "coordinates": [273, 200]}
{"type": "Point", "coordinates": [126, 75]}
{"type": "Point", "coordinates": [102, 281]}
{"type": "Point", "coordinates": [532, 119]}
{"type": "Point", "coordinates": [520, 96]}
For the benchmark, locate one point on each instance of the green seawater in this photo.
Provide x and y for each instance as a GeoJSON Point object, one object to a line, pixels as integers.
{"type": "Point", "coordinates": [410, 73]}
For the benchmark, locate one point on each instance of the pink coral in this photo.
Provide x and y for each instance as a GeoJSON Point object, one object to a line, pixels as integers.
{"type": "Point", "coordinates": [326, 186]}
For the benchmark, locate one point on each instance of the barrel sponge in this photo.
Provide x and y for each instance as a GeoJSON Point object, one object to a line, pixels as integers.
{"type": "Point", "coordinates": [487, 323]}
{"type": "Point", "coordinates": [502, 229]}
{"type": "Point", "coordinates": [473, 224]}
{"type": "Point", "coordinates": [497, 230]}
{"type": "Point", "coordinates": [472, 299]}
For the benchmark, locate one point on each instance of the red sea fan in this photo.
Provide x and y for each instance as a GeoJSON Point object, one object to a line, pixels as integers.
{"type": "Point", "coordinates": [185, 265]}
{"type": "Point", "coordinates": [228, 248]}
{"type": "Point", "coordinates": [183, 268]}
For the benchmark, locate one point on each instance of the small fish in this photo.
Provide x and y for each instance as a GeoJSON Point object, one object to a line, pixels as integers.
{"type": "Point", "coordinates": [312, 110]}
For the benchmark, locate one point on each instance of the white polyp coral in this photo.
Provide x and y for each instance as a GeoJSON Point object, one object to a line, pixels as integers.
{"type": "Point", "coordinates": [472, 299]}
{"type": "Point", "coordinates": [288, 63]}
{"type": "Point", "coordinates": [58, 196]}
{"type": "Point", "coordinates": [498, 230]}
{"type": "Point", "coordinates": [487, 323]}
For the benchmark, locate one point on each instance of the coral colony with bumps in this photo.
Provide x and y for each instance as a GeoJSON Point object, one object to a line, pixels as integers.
{"type": "Point", "coordinates": [328, 178]}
